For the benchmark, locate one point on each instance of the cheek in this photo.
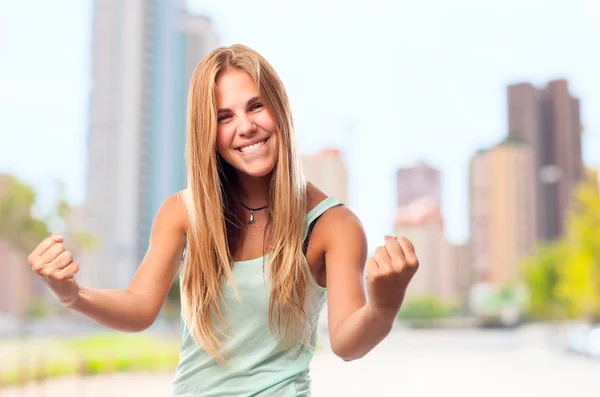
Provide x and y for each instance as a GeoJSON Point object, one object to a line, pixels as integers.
{"type": "Point", "coordinates": [275, 140]}
{"type": "Point", "coordinates": [271, 125]}
{"type": "Point", "coordinates": [266, 122]}
{"type": "Point", "coordinates": [223, 140]}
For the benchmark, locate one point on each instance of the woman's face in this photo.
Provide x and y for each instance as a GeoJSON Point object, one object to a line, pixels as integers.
{"type": "Point", "coordinates": [246, 136]}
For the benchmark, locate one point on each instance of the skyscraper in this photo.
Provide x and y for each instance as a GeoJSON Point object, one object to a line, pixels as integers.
{"type": "Point", "coordinates": [136, 131]}
{"type": "Point", "coordinates": [445, 270]}
{"type": "Point", "coordinates": [549, 119]}
{"type": "Point", "coordinates": [421, 222]}
{"type": "Point", "coordinates": [187, 39]}
{"type": "Point", "coordinates": [416, 181]}
{"type": "Point", "coordinates": [502, 211]}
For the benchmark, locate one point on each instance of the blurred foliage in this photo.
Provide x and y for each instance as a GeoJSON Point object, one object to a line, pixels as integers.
{"type": "Point", "coordinates": [38, 308]}
{"type": "Point", "coordinates": [425, 308]}
{"type": "Point", "coordinates": [579, 277]}
{"type": "Point", "coordinates": [98, 354]}
{"type": "Point", "coordinates": [541, 273]}
{"type": "Point", "coordinates": [78, 238]}
{"type": "Point", "coordinates": [564, 277]}
{"type": "Point", "coordinates": [21, 229]}
{"type": "Point", "coordinates": [509, 296]}
{"type": "Point", "coordinates": [18, 227]}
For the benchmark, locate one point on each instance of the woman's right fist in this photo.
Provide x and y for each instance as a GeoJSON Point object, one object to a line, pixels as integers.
{"type": "Point", "coordinates": [55, 265]}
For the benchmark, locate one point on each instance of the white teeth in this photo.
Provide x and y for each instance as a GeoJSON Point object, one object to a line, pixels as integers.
{"type": "Point", "coordinates": [250, 147]}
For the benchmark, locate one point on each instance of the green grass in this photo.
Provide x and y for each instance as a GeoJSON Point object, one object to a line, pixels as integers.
{"type": "Point", "coordinates": [29, 360]}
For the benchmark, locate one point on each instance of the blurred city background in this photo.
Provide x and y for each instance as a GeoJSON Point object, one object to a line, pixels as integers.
{"type": "Point", "coordinates": [470, 127]}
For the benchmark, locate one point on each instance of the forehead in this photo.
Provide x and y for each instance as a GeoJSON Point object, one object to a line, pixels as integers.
{"type": "Point", "coordinates": [235, 86]}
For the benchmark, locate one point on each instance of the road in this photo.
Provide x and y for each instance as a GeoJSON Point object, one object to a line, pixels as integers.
{"type": "Point", "coordinates": [412, 363]}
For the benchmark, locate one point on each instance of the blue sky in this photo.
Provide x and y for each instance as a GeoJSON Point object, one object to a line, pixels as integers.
{"type": "Point", "coordinates": [389, 82]}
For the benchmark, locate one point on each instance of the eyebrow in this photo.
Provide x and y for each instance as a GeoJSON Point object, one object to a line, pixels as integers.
{"type": "Point", "coordinates": [250, 102]}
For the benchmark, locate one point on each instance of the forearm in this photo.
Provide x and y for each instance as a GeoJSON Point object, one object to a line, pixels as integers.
{"type": "Point", "coordinates": [121, 310]}
{"type": "Point", "coordinates": [361, 332]}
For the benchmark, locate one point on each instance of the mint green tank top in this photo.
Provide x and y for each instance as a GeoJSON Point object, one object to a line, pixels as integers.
{"type": "Point", "coordinates": [256, 364]}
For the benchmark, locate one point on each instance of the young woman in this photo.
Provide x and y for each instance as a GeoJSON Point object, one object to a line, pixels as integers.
{"type": "Point", "coordinates": [260, 248]}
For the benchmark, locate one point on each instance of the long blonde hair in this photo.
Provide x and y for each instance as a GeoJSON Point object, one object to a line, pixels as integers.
{"type": "Point", "coordinates": [213, 214]}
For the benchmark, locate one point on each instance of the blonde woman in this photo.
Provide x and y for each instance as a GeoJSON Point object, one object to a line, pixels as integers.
{"type": "Point", "coordinates": [260, 248]}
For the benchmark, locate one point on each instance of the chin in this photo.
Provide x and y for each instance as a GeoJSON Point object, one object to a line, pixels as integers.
{"type": "Point", "coordinates": [258, 171]}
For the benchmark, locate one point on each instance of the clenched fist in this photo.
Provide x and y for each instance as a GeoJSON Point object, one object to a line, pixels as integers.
{"type": "Point", "coordinates": [388, 273]}
{"type": "Point", "coordinates": [55, 265]}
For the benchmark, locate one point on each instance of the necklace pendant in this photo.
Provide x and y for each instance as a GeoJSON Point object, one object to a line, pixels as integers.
{"type": "Point", "coordinates": [251, 217]}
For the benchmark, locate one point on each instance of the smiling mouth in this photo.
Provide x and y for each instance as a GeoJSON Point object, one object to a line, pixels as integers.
{"type": "Point", "coordinates": [252, 147]}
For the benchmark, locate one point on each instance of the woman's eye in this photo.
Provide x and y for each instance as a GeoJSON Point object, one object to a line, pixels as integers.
{"type": "Point", "coordinates": [255, 106]}
{"type": "Point", "coordinates": [223, 117]}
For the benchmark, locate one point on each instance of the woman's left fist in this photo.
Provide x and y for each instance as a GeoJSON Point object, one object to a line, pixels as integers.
{"type": "Point", "coordinates": [388, 273]}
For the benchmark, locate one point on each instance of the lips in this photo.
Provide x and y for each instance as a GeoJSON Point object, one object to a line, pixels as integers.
{"type": "Point", "coordinates": [252, 145]}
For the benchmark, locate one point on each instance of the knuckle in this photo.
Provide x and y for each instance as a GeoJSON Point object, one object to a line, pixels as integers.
{"type": "Point", "coordinates": [59, 277]}
{"type": "Point", "coordinates": [401, 262]}
{"type": "Point", "coordinates": [390, 242]}
{"type": "Point", "coordinates": [382, 256]}
{"type": "Point", "coordinates": [407, 243]}
{"type": "Point", "coordinates": [37, 264]}
{"type": "Point", "coordinates": [42, 272]}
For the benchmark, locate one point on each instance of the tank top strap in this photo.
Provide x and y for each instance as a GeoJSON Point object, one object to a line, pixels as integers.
{"type": "Point", "coordinates": [317, 211]}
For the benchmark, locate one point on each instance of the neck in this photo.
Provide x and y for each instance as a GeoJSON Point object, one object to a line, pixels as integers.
{"type": "Point", "coordinates": [253, 191]}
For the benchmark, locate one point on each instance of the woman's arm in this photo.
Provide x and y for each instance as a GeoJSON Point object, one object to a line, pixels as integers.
{"type": "Point", "coordinates": [358, 324]}
{"type": "Point", "coordinates": [135, 308]}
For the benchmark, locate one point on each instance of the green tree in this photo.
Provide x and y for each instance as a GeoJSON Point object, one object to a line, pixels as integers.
{"type": "Point", "coordinates": [563, 277]}
{"type": "Point", "coordinates": [18, 226]}
{"type": "Point", "coordinates": [424, 308]}
{"type": "Point", "coordinates": [78, 238]}
{"type": "Point", "coordinates": [579, 276]}
{"type": "Point", "coordinates": [22, 230]}
{"type": "Point", "coordinates": [541, 273]}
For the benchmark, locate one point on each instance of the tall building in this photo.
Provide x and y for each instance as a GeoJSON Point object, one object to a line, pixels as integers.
{"type": "Point", "coordinates": [188, 38]}
{"type": "Point", "coordinates": [136, 129]}
{"type": "Point", "coordinates": [502, 211]}
{"type": "Point", "coordinates": [479, 214]}
{"type": "Point", "coordinates": [416, 181]}
{"type": "Point", "coordinates": [445, 270]}
{"type": "Point", "coordinates": [326, 170]}
{"type": "Point", "coordinates": [421, 222]}
{"type": "Point", "coordinates": [456, 272]}
{"type": "Point", "coordinates": [549, 119]}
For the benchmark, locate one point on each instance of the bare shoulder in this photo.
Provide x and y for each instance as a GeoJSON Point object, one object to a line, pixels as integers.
{"type": "Point", "coordinates": [337, 226]}
{"type": "Point", "coordinates": [173, 211]}
{"type": "Point", "coordinates": [341, 227]}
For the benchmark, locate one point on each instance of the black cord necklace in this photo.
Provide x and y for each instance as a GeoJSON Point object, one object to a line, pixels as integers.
{"type": "Point", "coordinates": [251, 221]}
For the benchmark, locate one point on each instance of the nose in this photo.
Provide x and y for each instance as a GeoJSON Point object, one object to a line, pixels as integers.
{"type": "Point", "coordinates": [246, 125]}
